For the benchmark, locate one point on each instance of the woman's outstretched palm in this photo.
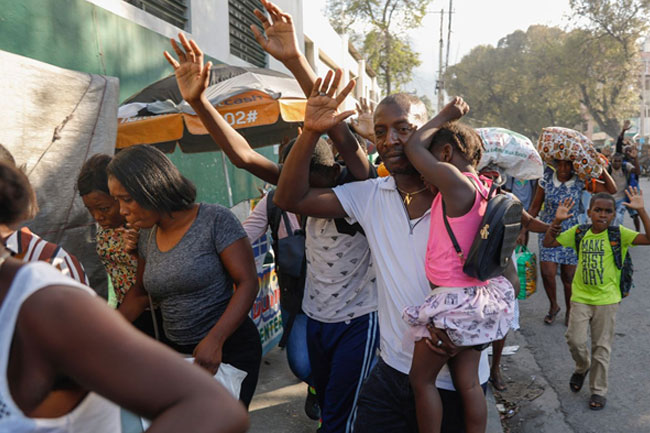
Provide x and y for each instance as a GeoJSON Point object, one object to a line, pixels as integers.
{"type": "Point", "coordinates": [564, 209]}
{"type": "Point", "coordinates": [191, 74]}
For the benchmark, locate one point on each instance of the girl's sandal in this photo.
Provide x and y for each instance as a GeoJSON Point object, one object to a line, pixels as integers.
{"type": "Point", "coordinates": [550, 317]}
{"type": "Point", "coordinates": [597, 402]}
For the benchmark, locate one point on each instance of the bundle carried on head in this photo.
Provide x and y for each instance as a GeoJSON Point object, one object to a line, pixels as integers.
{"type": "Point", "coordinates": [564, 144]}
{"type": "Point", "coordinates": [511, 152]}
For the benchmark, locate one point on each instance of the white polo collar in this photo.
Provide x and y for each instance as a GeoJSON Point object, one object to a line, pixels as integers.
{"type": "Point", "coordinates": [569, 183]}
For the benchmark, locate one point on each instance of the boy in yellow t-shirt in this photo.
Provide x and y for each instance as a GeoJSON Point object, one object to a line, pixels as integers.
{"type": "Point", "coordinates": [596, 289]}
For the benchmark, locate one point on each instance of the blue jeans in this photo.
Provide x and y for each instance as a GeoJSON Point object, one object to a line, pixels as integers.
{"type": "Point", "coordinates": [297, 353]}
{"type": "Point", "coordinates": [387, 404]}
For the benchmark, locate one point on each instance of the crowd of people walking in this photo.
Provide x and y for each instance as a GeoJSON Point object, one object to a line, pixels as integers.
{"type": "Point", "coordinates": [382, 319]}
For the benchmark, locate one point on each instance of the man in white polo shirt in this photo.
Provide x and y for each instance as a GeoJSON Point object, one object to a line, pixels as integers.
{"type": "Point", "coordinates": [394, 212]}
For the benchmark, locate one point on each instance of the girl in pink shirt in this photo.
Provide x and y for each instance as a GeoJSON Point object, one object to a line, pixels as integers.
{"type": "Point", "coordinates": [472, 312]}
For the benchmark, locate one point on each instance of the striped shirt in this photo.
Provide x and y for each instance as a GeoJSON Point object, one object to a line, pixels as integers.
{"type": "Point", "coordinates": [29, 247]}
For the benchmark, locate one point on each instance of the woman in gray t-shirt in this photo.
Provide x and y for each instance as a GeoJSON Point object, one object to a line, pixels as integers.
{"type": "Point", "coordinates": [194, 254]}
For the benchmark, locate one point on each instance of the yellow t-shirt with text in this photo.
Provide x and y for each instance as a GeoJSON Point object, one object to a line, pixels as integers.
{"type": "Point", "coordinates": [597, 279]}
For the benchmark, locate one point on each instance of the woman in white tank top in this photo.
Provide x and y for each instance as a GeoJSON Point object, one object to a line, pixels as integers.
{"type": "Point", "coordinates": [68, 362]}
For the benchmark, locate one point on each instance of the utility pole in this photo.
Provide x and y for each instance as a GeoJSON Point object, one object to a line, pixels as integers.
{"type": "Point", "coordinates": [644, 110]}
{"type": "Point", "coordinates": [439, 83]}
{"type": "Point", "coordinates": [449, 33]}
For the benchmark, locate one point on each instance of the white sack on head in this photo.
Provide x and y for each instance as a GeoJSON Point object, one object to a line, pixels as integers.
{"type": "Point", "coordinates": [511, 152]}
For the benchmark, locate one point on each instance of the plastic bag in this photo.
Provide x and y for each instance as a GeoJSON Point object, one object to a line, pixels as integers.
{"type": "Point", "coordinates": [526, 270]}
{"type": "Point", "coordinates": [566, 144]}
{"type": "Point", "coordinates": [230, 377]}
{"type": "Point", "coordinates": [511, 152]}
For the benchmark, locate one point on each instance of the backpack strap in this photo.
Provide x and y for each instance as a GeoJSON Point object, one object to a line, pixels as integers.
{"type": "Point", "coordinates": [614, 235]}
{"type": "Point", "coordinates": [273, 215]}
{"type": "Point", "coordinates": [581, 231]}
{"type": "Point", "coordinates": [454, 241]}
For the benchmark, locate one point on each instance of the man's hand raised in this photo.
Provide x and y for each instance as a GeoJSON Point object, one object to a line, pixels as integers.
{"type": "Point", "coordinates": [280, 41]}
{"type": "Point", "coordinates": [321, 113]}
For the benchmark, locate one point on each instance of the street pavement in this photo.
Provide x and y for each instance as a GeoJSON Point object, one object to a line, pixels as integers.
{"type": "Point", "coordinates": [538, 373]}
{"type": "Point", "coordinates": [538, 398]}
{"type": "Point", "coordinates": [278, 404]}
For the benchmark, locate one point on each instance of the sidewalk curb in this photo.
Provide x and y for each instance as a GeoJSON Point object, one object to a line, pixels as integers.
{"type": "Point", "coordinates": [542, 413]}
{"type": "Point", "coordinates": [493, 417]}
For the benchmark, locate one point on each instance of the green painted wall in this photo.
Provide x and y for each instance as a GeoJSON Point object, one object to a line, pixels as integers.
{"type": "Point", "coordinates": [78, 35]}
{"type": "Point", "coordinates": [206, 171]}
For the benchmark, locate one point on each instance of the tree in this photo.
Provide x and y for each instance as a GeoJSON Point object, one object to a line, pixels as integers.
{"type": "Point", "coordinates": [546, 76]}
{"type": "Point", "coordinates": [381, 29]}
{"type": "Point", "coordinates": [428, 104]}
{"type": "Point", "coordinates": [516, 84]}
{"type": "Point", "coordinates": [605, 50]}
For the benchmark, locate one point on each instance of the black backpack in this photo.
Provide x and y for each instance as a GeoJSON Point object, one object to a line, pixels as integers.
{"type": "Point", "coordinates": [496, 239]}
{"type": "Point", "coordinates": [626, 266]}
{"type": "Point", "coordinates": [290, 263]}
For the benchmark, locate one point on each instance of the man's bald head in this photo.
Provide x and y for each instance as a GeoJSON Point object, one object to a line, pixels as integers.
{"type": "Point", "coordinates": [410, 104]}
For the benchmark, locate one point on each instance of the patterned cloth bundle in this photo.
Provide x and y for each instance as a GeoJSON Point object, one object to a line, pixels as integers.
{"type": "Point", "coordinates": [566, 144]}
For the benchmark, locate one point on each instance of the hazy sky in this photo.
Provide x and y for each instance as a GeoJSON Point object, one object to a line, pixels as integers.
{"type": "Point", "coordinates": [476, 22]}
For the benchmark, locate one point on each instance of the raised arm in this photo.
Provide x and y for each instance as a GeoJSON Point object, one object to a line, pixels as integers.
{"type": "Point", "coordinates": [443, 175]}
{"type": "Point", "coordinates": [554, 229]}
{"type": "Point", "coordinates": [636, 202]}
{"type": "Point", "coordinates": [364, 124]}
{"type": "Point", "coordinates": [619, 140]}
{"type": "Point", "coordinates": [632, 153]}
{"type": "Point", "coordinates": [192, 77]}
{"type": "Point", "coordinates": [532, 224]}
{"type": "Point", "coordinates": [279, 40]}
{"type": "Point", "coordinates": [605, 185]}
{"type": "Point", "coordinates": [294, 193]}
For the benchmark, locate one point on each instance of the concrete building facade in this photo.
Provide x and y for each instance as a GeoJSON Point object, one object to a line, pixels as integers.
{"type": "Point", "coordinates": [126, 39]}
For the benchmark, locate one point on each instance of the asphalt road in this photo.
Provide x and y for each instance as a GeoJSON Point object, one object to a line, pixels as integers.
{"type": "Point", "coordinates": [538, 374]}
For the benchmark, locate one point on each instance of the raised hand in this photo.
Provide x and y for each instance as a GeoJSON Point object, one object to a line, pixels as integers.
{"type": "Point", "coordinates": [321, 113]}
{"type": "Point", "coordinates": [563, 209]}
{"type": "Point", "coordinates": [631, 151]}
{"type": "Point", "coordinates": [635, 195]}
{"type": "Point", "coordinates": [455, 109]}
{"type": "Point", "coordinates": [627, 125]}
{"type": "Point", "coordinates": [280, 41]}
{"type": "Point", "coordinates": [364, 124]}
{"type": "Point", "coordinates": [191, 74]}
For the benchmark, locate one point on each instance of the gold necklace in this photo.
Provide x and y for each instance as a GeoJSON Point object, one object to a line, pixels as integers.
{"type": "Point", "coordinates": [408, 196]}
